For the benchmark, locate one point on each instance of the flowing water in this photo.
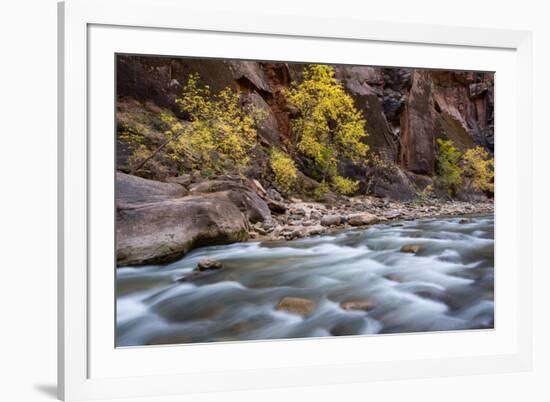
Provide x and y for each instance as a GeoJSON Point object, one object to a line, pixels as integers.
{"type": "Point", "coordinates": [446, 285]}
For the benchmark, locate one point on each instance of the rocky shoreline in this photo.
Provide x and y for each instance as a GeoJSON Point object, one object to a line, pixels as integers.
{"type": "Point", "coordinates": [302, 219]}
{"type": "Point", "coordinates": [159, 222]}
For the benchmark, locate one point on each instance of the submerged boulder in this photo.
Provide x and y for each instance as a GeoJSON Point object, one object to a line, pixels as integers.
{"type": "Point", "coordinates": [410, 248]}
{"type": "Point", "coordinates": [207, 264]}
{"type": "Point", "coordinates": [357, 305]}
{"type": "Point", "coordinates": [296, 305]}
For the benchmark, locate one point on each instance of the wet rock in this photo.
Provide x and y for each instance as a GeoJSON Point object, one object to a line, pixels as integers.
{"type": "Point", "coordinates": [360, 304]}
{"type": "Point", "coordinates": [208, 264]}
{"type": "Point", "coordinates": [410, 248]}
{"type": "Point", "coordinates": [296, 305]}
{"type": "Point", "coordinates": [393, 277]}
{"type": "Point", "coordinates": [362, 219]}
{"type": "Point", "coordinates": [331, 220]}
{"type": "Point", "coordinates": [464, 221]}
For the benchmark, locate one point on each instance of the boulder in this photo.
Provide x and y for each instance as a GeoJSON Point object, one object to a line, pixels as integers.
{"type": "Point", "coordinates": [254, 208]}
{"type": "Point", "coordinates": [223, 184]}
{"type": "Point", "coordinates": [274, 195]}
{"type": "Point", "coordinates": [276, 206]}
{"type": "Point", "coordinates": [183, 180]}
{"type": "Point", "coordinates": [392, 183]}
{"type": "Point", "coordinates": [331, 220]}
{"type": "Point", "coordinates": [362, 219]}
{"type": "Point", "coordinates": [164, 231]}
{"type": "Point", "coordinates": [208, 264]}
{"type": "Point", "coordinates": [358, 305]}
{"type": "Point", "coordinates": [135, 190]}
{"type": "Point", "coordinates": [410, 248]}
{"type": "Point", "coordinates": [296, 305]}
{"type": "Point", "coordinates": [241, 193]}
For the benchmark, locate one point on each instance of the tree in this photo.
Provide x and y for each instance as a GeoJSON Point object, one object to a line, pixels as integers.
{"type": "Point", "coordinates": [218, 132]}
{"type": "Point", "coordinates": [448, 169]}
{"type": "Point", "coordinates": [328, 125]}
{"type": "Point", "coordinates": [478, 170]}
{"type": "Point", "coordinates": [284, 170]}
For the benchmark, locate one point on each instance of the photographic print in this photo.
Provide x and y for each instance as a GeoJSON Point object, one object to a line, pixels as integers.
{"type": "Point", "coordinates": [261, 200]}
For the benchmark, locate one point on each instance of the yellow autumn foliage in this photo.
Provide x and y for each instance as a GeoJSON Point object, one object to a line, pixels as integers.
{"type": "Point", "coordinates": [328, 126]}
{"type": "Point", "coordinates": [345, 186]}
{"type": "Point", "coordinates": [284, 170]}
{"type": "Point", "coordinates": [218, 129]}
{"type": "Point", "coordinates": [448, 168]}
{"type": "Point", "coordinates": [478, 169]}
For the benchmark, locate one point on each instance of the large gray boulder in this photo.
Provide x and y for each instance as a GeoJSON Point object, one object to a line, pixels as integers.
{"type": "Point", "coordinates": [242, 194]}
{"type": "Point", "coordinates": [160, 222]}
{"type": "Point", "coordinates": [164, 231]}
{"type": "Point", "coordinates": [136, 190]}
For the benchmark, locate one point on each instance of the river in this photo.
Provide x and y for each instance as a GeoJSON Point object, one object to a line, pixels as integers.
{"type": "Point", "coordinates": [447, 285]}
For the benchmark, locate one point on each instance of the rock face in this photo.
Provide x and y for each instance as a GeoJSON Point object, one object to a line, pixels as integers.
{"type": "Point", "coordinates": [417, 136]}
{"type": "Point", "coordinates": [365, 85]}
{"type": "Point", "coordinates": [405, 110]}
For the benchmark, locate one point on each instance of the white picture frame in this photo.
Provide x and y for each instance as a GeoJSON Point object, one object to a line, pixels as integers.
{"type": "Point", "coordinates": [92, 31]}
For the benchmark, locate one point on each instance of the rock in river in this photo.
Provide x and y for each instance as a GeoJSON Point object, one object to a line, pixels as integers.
{"type": "Point", "coordinates": [360, 305]}
{"type": "Point", "coordinates": [296, 305]}
{"type": "Point", "coordinates": [362, 219]}
{"type": "Point", "coordinates": [410, 248]}
{"type": "Point", "coordinates": [208, 264]}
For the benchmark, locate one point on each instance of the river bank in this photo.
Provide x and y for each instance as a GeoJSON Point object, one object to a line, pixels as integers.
{"type": "Point", "coordinates": [302, 219]}
{"type": "Point", "coordinates": [160, 222]}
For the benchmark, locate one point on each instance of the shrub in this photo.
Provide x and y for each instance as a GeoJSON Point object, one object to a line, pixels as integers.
{"type": "Point", "coordinates": [328, 125]}
{"type": "Point", "coordinates": [218, 132]}
{"type": "Point", "coordinates": [448, 170]}
{"type": "Point", "coordinates": [321, 191]}
{"type": "Point", "coordinates": [284, 169]}
{"type": "Point", "coordinates": [479, 170]}
{"type": "Point", "coordinates": [345, 186]}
